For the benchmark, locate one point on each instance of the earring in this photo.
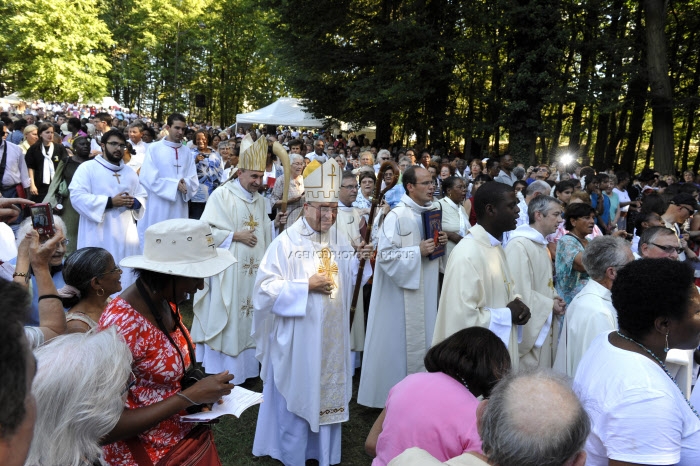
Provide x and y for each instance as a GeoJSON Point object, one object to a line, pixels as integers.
{"type": "Point", "coordinates": [666, 347]}
{"type": "Point", "coordinates": [101, 292]}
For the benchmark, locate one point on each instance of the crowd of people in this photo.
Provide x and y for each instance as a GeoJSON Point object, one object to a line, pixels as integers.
{"type": "Point", "coordinates": [545, 318]}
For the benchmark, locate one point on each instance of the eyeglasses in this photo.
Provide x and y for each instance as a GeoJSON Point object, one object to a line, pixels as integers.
{"type": "Point", "coordinates": [115, 144]}
{"type": "Point", "coordinates": [427, 183]}
{"type": "Point", "coordinates": [116, 269]}
{"type": "Point", "coordinates": [690, 211]}
{"type": "Point", "coordinates": [129, 383]}
{"type": "Point", "coordinates": [668, 249]}
{"type": "Point", "coordinates": [325, 209]}
{"type": "Point", "coordinates": [351, 187]}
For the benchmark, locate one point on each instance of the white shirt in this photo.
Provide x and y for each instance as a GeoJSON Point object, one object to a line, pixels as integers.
{"type": "Point", "coordinates": [638, 415]}
{"type": "Point", "coordinates": [623, 196]}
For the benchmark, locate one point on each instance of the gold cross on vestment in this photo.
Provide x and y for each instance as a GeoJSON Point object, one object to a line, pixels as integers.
{"type": "Point", "coordinates": [551, 284]}
{"type": "Point", "coordinates": [247, 308]}
{"type": "Point", "coordinates": [251, 223]}
{"type": "Point", "coordinates": [328, 266]}
{"type": "Point", "coordinates": [333, 175]}
{"type": "Point", "coordinates": [250, 267]}
{"type": "Point", "coordinates": [116, 175]}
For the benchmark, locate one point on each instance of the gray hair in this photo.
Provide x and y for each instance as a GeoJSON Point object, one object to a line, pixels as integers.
{"type": "Point", "coordinates": [539, 186]}
{"type": "Point", "coordinates": [406, 158]}
{"type": "Point", "coordinates": [26, 226]}
{"type": "Point", "coordinates": [78, 389]}
{"type": "Point", "coordinates": [341, 157]}
{"type": "Point", "coordinates": [369, 153]}
{"type": "Point", "coordinates": [382, 153]}
{"type": "Point", "coordinates": [603, 252]}
{"type": "Point", "coordinates": [516, 430]}
{"type": "Point", "coordinates": [650, 234]}
{"type": "Point", "coordinates": [294, 157]}
{"type": "Point", "coordinates": [540, 204]}
{"type": "Point", "coordinates": [519, 172]}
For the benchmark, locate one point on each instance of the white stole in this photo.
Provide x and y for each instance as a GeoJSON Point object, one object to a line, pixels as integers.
{"type": "Point", "coordinates": [49, 169]}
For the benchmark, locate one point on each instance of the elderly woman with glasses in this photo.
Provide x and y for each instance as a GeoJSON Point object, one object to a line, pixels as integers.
{"type": "Point", "coordinates": [295, 198]}
{"type": "Point", "coordinates": [91, 276]}
{"type": "Point", "coordinates": [367, 180]}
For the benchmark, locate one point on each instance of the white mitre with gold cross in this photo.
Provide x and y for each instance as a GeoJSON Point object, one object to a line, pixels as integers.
{"type": "Point", "coordinates": [253, 154]}
{"type": "Point", "coordinates": [322, 182]}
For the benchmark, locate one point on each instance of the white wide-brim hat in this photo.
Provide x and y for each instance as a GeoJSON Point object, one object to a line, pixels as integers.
{"type": "Point", "coordinates": [182, 247]}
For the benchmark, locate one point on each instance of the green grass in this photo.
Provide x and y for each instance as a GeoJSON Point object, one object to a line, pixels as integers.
{"type": "Point", "coordinates": [234, 437]}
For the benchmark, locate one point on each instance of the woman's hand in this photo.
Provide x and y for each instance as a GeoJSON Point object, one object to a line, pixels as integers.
{"type": "Point", "coordinates": [33, 190]}
{"type": "Point", "coordinates": [210, 389]}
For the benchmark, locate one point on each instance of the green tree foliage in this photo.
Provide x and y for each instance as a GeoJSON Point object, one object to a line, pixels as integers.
{"type": "Point", "coordinates": [167, 52]}
{"type": "Point", "coordinates": [54, 49]}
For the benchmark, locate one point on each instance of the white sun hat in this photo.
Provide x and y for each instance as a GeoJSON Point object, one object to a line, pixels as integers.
{"type": "Point", "coordinates": [182, 247]}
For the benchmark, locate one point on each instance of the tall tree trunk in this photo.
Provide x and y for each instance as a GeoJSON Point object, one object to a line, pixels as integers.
{"type": "Point", "coordinates": [661, 94]}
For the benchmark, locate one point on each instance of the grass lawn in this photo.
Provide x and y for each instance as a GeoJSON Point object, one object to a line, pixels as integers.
{"type": "Point", "coordinates": [234, 437]}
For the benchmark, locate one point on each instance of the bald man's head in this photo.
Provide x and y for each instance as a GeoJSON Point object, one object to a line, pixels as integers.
{"type": "Point", "coordinates": [533, 419]}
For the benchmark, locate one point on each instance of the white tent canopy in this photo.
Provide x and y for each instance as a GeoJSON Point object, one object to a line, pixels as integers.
{"type": "Point", "coordinates": [286, 111]}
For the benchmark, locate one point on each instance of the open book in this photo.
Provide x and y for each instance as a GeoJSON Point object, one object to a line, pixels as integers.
{"type": "Point", "coordinates": [238, 401]}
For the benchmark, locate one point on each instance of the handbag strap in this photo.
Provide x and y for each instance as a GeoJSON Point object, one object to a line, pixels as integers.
{"type": "Point", "coordinates": [138, 452]}
{"type": "Point", "coordinates": [3, 163]}
{"type": "Point", "coordinates": [159, 320]}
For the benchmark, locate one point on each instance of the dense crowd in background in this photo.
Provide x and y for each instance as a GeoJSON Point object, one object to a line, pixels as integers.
{"type": "Point", "coordinates": [550, 274]}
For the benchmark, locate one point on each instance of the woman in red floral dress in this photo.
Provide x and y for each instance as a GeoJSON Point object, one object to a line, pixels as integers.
{"type": "Point", "coordinates": [178, 254]}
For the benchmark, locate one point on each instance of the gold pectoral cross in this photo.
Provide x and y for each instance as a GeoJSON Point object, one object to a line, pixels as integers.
{"type": "Point", "coordinates": [327, 266]}
{"type": "Point", "coordinates": [251, 223]}
{"type": "Point", "coordinates": [551, 284]}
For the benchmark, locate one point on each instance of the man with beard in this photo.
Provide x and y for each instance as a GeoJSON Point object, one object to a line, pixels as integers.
{"type": "Point", "coordinates": [488, 298]}
{"type": "Point", "coordinates": [107, 195]}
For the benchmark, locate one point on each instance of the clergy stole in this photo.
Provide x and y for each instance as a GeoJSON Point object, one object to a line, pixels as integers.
{"type": "Point", "coordinates": [348, 224]}
{"type": "Point", "coordinates": [410, 233]}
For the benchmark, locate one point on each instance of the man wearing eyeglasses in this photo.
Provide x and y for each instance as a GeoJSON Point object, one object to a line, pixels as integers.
{"type": "Point", "coordinates": [107, 195]}
{"type": "Point", "coordinates": [681, 208]}
{"type": "Point", "coordinates": [404, 292]}
{"type": "Point", "coordinates": [591, 312]}
{"type": "Point", "coordinates": [350, 223]}
{"type": "Point", "coordinates": [659, 243]}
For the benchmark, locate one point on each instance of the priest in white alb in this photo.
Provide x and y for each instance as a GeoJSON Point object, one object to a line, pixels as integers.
{"type": "Point", "coordinates": [301, 329]}
{"type": "Point", "coordinates": [350, 224]}
{"type": "Point", "coordinates": [403, 306]}
{"type": "Point", "coordinates": [531, 265]}
{"type": "Point", "coordinates": [107, 195]}
{"type": "Point", "coordinates": [223, 310]}
{"type": "Point", "coordinates": [478, 289]}
{"type": "Point", "coordinates": [169, 176]}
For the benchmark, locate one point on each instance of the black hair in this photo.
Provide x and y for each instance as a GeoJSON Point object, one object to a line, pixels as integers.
{"type": "Point", "coordinates": [490, 193]}
{"type": "Point", "coordinates": [482, 178]}
{"type": "Point", "coordinates": [14, 302]}
{"type": "Point", "coordinates": [155, 281]}
{"type": "Point", "coordinates": [113, 132]}
{"type": "Point", "coordinates": [409, 177]}
{"type": "Point", "coordinates": [640, 219]}
{"type": "Point", "coordinates": [654, 202]}
{"type": "Point", "coordinates": [473, 356]}
{"type": "Point", "coordinates": [206, 135]}
{"type": "Point", "coordinates": [173, 117]}
{"type": "Point", "coordinates": [564, 185]}
{"type": "Point", "coordinates": [80, 268]}
{"type": "Point", "coordinates": [74, 123]}
{"type": "Point", "coordinates": [650, 288]}
{"type": "Point", "coordinates": [522, 182]}
{"type": "Point", "coordinates": [449, 183]}
{"type": "Point", "coordinates": [575, 211]}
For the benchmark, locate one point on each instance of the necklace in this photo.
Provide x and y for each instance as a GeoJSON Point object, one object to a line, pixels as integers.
{"type": "Point", "coordinates": [663, 366]}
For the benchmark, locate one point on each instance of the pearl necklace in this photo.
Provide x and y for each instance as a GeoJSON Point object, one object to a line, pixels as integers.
{"type": "Point", "coordinates": [663, 366]}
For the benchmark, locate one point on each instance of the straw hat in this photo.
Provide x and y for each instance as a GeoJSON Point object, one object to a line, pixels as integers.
{"type": "Point", "coordinates": [182, 247]}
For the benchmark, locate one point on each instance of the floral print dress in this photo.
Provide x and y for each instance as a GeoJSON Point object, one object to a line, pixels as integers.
{"type": "Point", "coordinates": [158, 370]}
{"type": "Point", "coordinates": [568, 281]}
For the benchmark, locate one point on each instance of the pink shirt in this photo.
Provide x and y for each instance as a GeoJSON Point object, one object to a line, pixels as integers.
{"type": "Point", "coordinates": [430, 410]}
